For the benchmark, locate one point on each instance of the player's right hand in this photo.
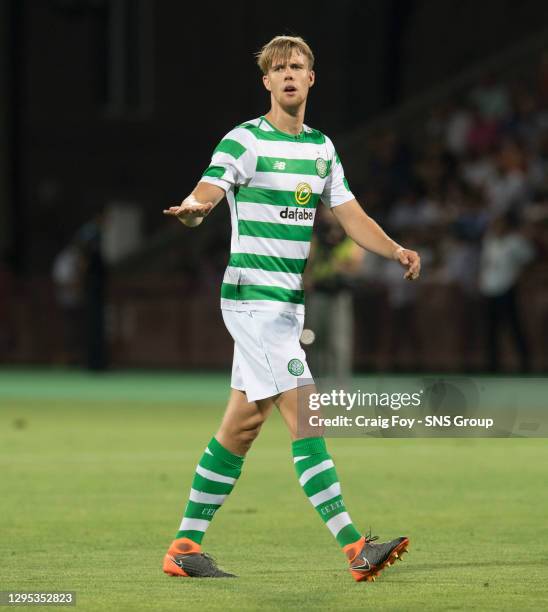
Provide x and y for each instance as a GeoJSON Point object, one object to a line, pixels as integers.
{"type": "Point", "coordinates": [189, 211]}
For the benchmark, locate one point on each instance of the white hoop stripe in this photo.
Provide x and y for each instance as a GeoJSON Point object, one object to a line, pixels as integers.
{"type": "Point", "coordinates": [338, 522]}
{"type": "Point", "coordinates": [214, 476]}
{"type": "Point", "coordinates": [311, 472]}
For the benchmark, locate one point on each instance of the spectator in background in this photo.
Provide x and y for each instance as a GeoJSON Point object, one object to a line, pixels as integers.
{"type": "Point", "coordinates": [436, 124]}
{"type": "Point", "coordinates": [491, 97]}
{"type": "Point", "coordinates": [476, 158]}
{"type": "Point", "coordinates": [413, 211]}
{"type": "Point", "coordinates": [505, 253]}
{"type": "Point", "coordinates": [94, 277]}
{"type": "Point", "coordinates": [470, 218]}
{"type": "Point", "coordinates": [403, 323]}
{"type": "Point", "coordinates": [507, 188]}
{"type": "Point", "coordinates": [537, 174]}
{"type": "Point", "coordinates": [459, 270]}
{"type": "Point", "coordinates": [457, 128]}
{"type": "Point", "coordinates": [523, 124]}
{"type": "Point", "coordinates": [335, 261]}
{"type": "Point", "coordinates": [477, 170]}
{"type": "Point", "coordinates": [483, 133]}
{"type": "Point", "coordinates": [67, 275]}
{"type": "Point", "coordinates": [389, 166]}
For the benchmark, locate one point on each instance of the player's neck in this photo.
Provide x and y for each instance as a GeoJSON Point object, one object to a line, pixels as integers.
{"type": "Point", "coordinates": [286, 121]}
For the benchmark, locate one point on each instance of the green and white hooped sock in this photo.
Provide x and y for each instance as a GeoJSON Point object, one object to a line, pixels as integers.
{"type": "Point", "coordinates": [318, 478]}
{"type": "Point", "coordinates": [215, 477]}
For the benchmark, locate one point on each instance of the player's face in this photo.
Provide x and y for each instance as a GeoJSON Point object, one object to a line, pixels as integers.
{"type": "Point", "coordinates": [289, 80]}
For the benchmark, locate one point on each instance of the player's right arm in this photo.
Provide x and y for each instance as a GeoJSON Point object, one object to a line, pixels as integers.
{"type": "Point", "coordinates": [197, 205]}
{"type": "Point", "coordinates": [233, 163]}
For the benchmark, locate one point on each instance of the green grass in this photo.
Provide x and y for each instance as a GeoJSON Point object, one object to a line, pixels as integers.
{"type": "Point", "coordinates": [95, 472]}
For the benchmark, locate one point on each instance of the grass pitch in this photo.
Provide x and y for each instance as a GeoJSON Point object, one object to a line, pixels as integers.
{"type": "Point", "coordinates": [95, 472]}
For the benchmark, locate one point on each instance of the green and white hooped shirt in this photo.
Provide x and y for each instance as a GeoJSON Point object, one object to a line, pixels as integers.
{"type": "Point", "coordinates": [273, 182]}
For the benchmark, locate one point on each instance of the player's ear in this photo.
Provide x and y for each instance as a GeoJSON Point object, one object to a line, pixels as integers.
{"type": "Point", "coordinates": [311, 78]}
{"type": "Point", "coordinates": [266, 82]}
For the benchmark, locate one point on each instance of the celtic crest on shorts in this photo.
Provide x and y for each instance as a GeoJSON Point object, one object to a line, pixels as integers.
{"type": "Point", "coordinates": [295, 367]}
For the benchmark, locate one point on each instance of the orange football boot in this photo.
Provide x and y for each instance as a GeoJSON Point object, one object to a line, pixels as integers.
{"type": "Point", "coordinates": [185, 558]}
{"type": "Point", "coordinates": [368, 559]}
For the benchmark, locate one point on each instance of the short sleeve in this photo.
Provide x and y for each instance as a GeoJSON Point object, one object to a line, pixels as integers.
{"type": "Point", "coordinates": [336, 189]}
{"type": "Point", "coordinates": [233, 161]}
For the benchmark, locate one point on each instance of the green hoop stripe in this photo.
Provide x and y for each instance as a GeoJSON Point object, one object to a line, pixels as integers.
{"type": "Point", "coordinates": [210, 486]}
{"type": "Point", "coordinates": [267, 262]}
{"type": "Point", "coordinates": [279, 231]}
{"type": "Point", "coordinates": [287, 166]}
{"type": "Point", "coordinates": [275, 197]}
{"type": "Point", "coordinates": [230, 291]}
{"type": "Point", "coordinates": [214, 465]}
{"type": "Point", "coordinates": [231, 147]}
{"type": "Point", "coordinates": [196, 510]}
{"type": "Point", "coordinates": [214, 171]}
{"type": "Point", "coordinates": [347, 535]}
{"type": "Point", "coordinates": [191, 534]}
{"type": "Point", "coordinates": [321, 481]}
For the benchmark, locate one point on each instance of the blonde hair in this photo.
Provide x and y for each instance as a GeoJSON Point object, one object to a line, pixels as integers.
{"type": "Point", "coordinates": [282, 47]}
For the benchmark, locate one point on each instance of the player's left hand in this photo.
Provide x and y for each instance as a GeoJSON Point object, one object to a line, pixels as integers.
{"type": "Point", "coordinates": [409, 259]}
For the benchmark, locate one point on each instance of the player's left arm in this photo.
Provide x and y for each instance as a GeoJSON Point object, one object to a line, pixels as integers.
{"type": "Point", "coordinates": [368, 234]}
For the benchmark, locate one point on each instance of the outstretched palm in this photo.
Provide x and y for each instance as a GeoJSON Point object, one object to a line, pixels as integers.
{"type": "Point", "coordinates": [187, 211]}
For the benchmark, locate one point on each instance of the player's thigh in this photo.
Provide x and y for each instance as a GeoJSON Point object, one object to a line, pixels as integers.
{"type": "Point", "coordinates": [241, 415]}
{"type": "Point", "coordinates": [294, 406]}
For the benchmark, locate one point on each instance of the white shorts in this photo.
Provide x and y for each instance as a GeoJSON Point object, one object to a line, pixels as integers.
{"type": "Point", "coordinates": [268, 357]}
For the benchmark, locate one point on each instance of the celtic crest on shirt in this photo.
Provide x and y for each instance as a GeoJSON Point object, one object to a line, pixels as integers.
{"type": "Point", "coordinates": [321, 167]}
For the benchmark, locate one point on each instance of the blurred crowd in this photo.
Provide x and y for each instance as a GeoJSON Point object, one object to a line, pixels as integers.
{"type": "Point", "coordinates": [466, 186]}
{"type": "Point", "coordinates": [469, 191]}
